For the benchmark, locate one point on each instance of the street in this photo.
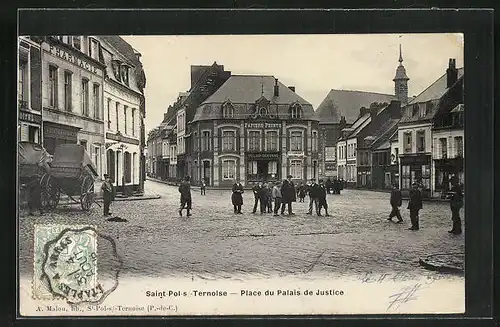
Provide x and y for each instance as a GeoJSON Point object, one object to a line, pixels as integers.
{"type": "Point", "coordinates": [215, 243]}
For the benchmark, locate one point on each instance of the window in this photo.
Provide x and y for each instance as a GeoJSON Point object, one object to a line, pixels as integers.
{"type": "Point", "coordinates": [228, 140]}
{"type": "Point", "coordinates": [444, 147]}
{"type": "Point", "coordinates": [405, 177]}
{"type": "Point", "coordinates": [229, 169]}
{"type": "Point", "coordinates": [85, 97]}
{"type": "Point", "coordinates": [134, 166]}
{"type": "Point", "coordinates": [271, 141]}
{"type": "Point", "coordinates": [314, 141]}
{"type": "Point", "coordinates": [77, 42]}
{"type": "Point", "coordinates": [53, 86]}
{"type": "Point", "coordinates": [96, 156]}
{"type": "Point", "coordinates": [272, 167]}
{"type": "Point", "coordinates": [252, 168]}
{"type": "Point", "coordinates": [68, 78]}
{"type": "Point", "coordinates": [228, 111]}
{"type": "Point", "coordinates": [133, 121]}
{"type": "Point", "coordinates": [125, 120]}
{"type": "Point", "coordinates": [94, 49]}
{"type": "Point", "coordinates": [296, 141]}
{"type": "Point", "coordinates": [128, 166]}
{"type": "Point", "coordinates": [84, 143]}
{"type": "Point", "coordinates": [95, 96]}
{"type": "Point", "coordinates": [195, 139]}
{"type": "Point", "coordinates": [415, 109]}
{"type": "Point", "coordinates": [459, 146]}
{"type": "Point", "coordinates": [407, 141]}
{"type": "Point", "coordinates": [296, 111]}
{"type": "Point", "coordinates": [22, 83]}
{"type": "Point", "coordinates": [109, 113]}
{"type": "Point", "coordinates": [124, 73]}
{"type": "Point", "coordinates": [205, 141]}
{"type": "Point", "coordinates": [116, 116]}
{"type": "Point", "coordinates": [296, 169]}
{"type": "Point", "coordinates": [262, 111]}
{"type": "Point", "coordinates": [254, 141]}
{"type": "Point", "coordinates": [420, 141]}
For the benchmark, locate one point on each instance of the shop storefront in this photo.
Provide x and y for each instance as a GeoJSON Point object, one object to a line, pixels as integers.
{"type": "Point", "coordinates": [416, 168]}
{"type": "Point", "coordinates": [445, 169]}
{"type": "Point", "coordinates": [262, 166]}
{"type": "Point", "coordinates": [55, 134]}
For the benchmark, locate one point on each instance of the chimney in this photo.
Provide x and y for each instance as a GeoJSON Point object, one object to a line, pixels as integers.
{"type": "Point", "coordinates": [395, 109]}
{"type": "Point", "coordinates": [373, 112]}
{"type": "Point", "coordinates": [342, 122]}
{"type": "Point", "coordinates": [276, 88]}
{"type": "Point", "coordinates": [451, 73]}
{"type": "Point", "coordinates": [363, 111]}
{"type": "Point", "coordinates": [292, 88]}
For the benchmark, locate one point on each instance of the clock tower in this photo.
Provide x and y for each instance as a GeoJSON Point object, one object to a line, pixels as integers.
{"type": "Point", "coordinates": [401, 81]}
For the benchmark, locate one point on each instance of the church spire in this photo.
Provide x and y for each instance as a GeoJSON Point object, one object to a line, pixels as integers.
{"type": "Point", "coordinates": [401, 80]}
{"type": "Point", "coordinates": [400, 56]}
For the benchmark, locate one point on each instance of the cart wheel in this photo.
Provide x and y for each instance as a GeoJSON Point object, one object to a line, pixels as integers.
{"type": "Point", "coordinates": [87, 195]}
{"type": "Point", "coordinates": [50, 194]}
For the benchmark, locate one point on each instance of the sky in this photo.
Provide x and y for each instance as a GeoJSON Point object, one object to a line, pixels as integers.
{"type": "Point", "coordinates": [314, 64]}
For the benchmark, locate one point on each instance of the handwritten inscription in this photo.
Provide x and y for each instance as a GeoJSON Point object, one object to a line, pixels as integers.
{"type": "Point", "coordinates": [405, 295]}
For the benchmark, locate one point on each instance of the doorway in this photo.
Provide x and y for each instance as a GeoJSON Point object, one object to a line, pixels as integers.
{"type": "Point", "coordinates": [262, 170]}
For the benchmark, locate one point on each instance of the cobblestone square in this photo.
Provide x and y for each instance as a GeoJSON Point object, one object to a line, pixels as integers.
{"type": "Point", "coordinates": [215, 243]}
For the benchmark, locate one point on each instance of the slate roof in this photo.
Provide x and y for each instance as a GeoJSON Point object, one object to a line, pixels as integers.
{"type": "Point", "coordinates": [122, 50]}
{"type": "Point", "coordinates": [431, 95]}
{"type": "Point", "coordinates": [384, 134]}
{"type": "Point", "coordinates": [242, 91]}
{"type": "Point", "coordinates": [347, 103]}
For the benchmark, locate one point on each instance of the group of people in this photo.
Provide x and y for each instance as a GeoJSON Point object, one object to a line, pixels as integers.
{"type": "Point", "coordinates": [455, 195]}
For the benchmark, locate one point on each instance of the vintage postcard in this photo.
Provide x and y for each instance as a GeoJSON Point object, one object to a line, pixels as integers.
{"type": "Point", "coordinates": [241, 174]}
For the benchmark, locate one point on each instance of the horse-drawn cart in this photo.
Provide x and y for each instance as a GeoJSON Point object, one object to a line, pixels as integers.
{"type": "Point", "coordinates": [72, 173]}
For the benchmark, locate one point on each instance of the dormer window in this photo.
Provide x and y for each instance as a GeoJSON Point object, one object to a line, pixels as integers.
{"type": "Point", "coordinates": [77, 43]}
{"type": "Point", "coordinates": [263, 111]}
{"type": "Point", "coordinates": [124, 69]}
{"type": "Point", "coordinates": [115, 65]}
{"type": "Point", "coordinates": [93, 48]}
{"type": "Point", "coordinates": [414, 110]}
{"type": "Point", "coordinates": [296, 111]}
{"type": "Point", "coordinates": [227, 110]}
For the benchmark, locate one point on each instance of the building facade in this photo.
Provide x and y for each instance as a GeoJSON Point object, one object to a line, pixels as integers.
{"type": "Point", "coordinates": [254, 128]}
{"type": "Point", "coordinates": [415, 132]}
{"type": "Point", "coordinates": [72, 95]}
{"type": "Point", "coordinates": [29, 90]}
{"type": "Point", "coordinates": [123, 97]}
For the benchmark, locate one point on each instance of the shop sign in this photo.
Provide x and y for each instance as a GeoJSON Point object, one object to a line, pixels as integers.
{"type": "Point", "coordinates": [262, 125]}
{"type": "Point", "coordinates": [121, 138]}
{"type": "Point", "coordinates": [330, 166]}
{"type": "Point", "coordinates": [415, 160]}
{"type": "Point", "coordinates": [330, 152]}
{"type": "Point", "coordinates": [30, 117]}
{"type": "Point", "coordinates": [263, 155]}
{"type": "Point", "coordinates": [55, 132]}
{"type": "Point", "coordinates": [72, 59]}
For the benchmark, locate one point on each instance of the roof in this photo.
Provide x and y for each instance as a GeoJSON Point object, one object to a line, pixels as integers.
{"type": "Point", "coordinates": [436, 90]}
{"type": "Point", "coordinates": [347, 103]}
{"type": "Point", "coordinates": [384, 134]}
{"type": "Point", "coordinates": [120, 49]}
{"type": "Point", "coordinates": [243, 91]}
{"type": "Point", "coordinates": [429, 97]}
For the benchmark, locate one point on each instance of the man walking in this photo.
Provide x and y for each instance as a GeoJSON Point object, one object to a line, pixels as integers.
{"type": "Point", "coordinates": [185, 191]}
{"type": "Point", "coordinates": [256, 194]}
{"type": "Point", "coordinates": [322, 190]}
{"type": "Point", "coordinates": [277, 198]}
{"type": "Point", "coordinates": [236, 197]}
{"type": "Point", "coordinates": [289, 195]}
{"type": "Point", "coordinates": [456, 203]}
{"type": "Point", "coordinates": [415, 204]}
{"type": "Point", "coordinates": [203, 186]}
{"type": "Point", "coordinates": [396, 202]}
{"type": "Point", "coordinates": [107, 194]}
{"type": "Point", "coordinates": [313, 196]}
{"type": "Point", "coordinates": [263, 198]}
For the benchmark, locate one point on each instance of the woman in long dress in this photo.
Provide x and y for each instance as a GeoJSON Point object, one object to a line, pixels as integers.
{"type": "Point", "coordinates": [237, 197]}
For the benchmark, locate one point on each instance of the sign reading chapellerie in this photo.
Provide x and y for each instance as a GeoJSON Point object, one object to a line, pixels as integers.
{"type": "Point", "coordinates": [61, 53]}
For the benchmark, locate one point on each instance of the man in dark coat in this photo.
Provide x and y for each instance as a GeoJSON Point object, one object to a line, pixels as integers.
{"type": "Point", "coordinates": [185, 191]}
{"type": "Point", "coordinates": [107, 194]}
{"type": "Point", "coordinates": [313, 196]}
{"type": "Point", "coordinates": [269, 197]}
{"type": "Point", "coordinates": [263, 198]}
{"type": "Point", "coordinates": [456, 203]}
{"type": "Point", "coordinates": [34, 191]}
{"type": "Point", "coordinates": [289, 195]}
{"type": "Point", "coordinates": [415, 204]}
{"type": "Point", "coordinates": [256, 195]}
{"type": "Point", "coordinates": [396, 202]}
{"type": "Point", "coordinates": [236, 197]}
{"type": "Point", "coordinates": [321, 198]}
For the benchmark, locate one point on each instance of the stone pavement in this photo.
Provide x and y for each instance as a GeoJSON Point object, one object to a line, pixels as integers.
{"type": "Point", "coordinates": [215, 243]}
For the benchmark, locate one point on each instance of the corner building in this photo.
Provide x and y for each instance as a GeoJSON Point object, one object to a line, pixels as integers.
{"type": "Point", "coordinates": [72, 94]}
{"type": "Point", "coordinates": [254, 128]}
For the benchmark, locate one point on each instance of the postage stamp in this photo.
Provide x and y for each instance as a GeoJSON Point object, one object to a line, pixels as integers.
{"type": "Point", "coordinates": [65, 263]}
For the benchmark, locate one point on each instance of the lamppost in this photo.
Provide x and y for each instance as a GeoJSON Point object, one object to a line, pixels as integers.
{"type": "Point", "coordinates": [122, 147]}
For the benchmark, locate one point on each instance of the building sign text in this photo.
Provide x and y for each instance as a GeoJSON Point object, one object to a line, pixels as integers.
{"type": "Point", "coordinates": [263, 155]}
{"type": "Point", "coordinates": [73, 59]}
{"type": "Point", "coordinates": [262, 125]}
{"type": "Point", "coordinates": [30, 117]}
